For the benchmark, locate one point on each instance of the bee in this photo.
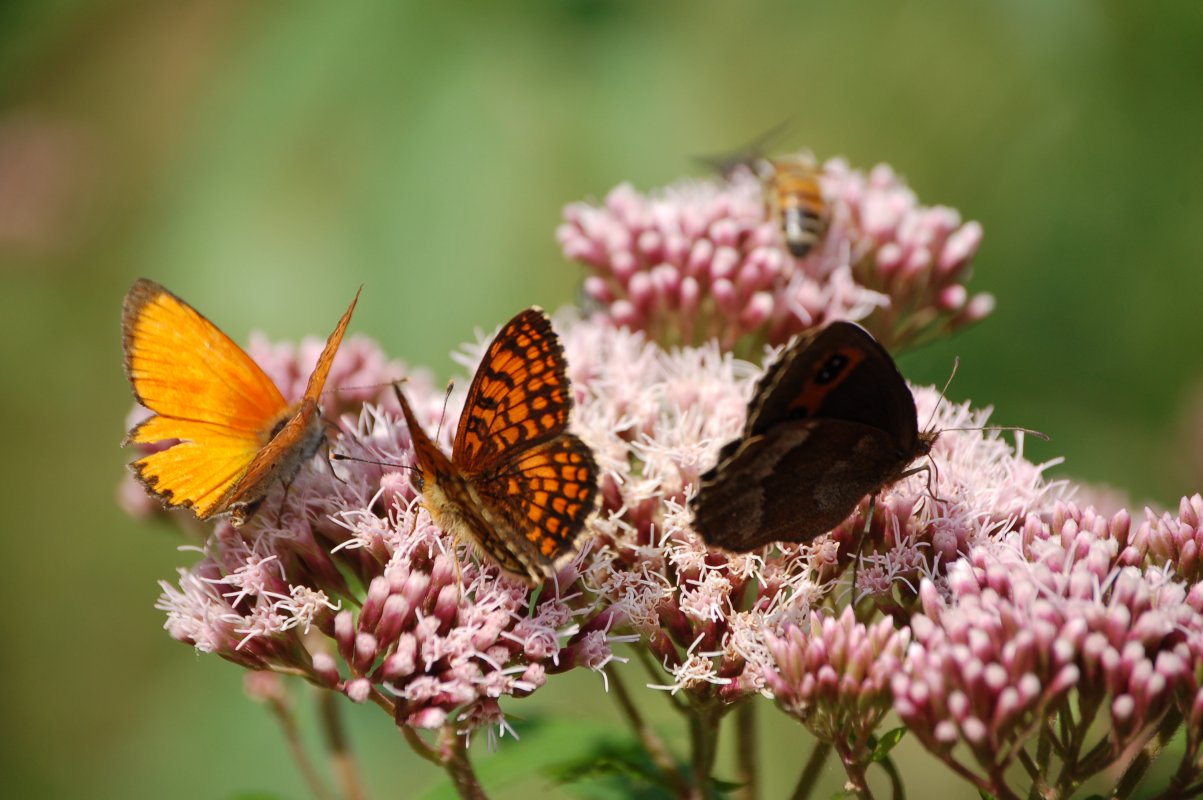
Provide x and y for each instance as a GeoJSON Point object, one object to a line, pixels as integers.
{"type": "Point", "coordinates": [792, 193]}
{"type": "Point", "coordinates": [794, 197]}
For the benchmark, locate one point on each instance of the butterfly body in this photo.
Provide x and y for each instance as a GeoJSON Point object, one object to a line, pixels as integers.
{"type": "Point", "coordinates": [232, 435]}
{"type": "Point", "coordinates": [518, 485]}
{"type": "Point", "coordinates": [830, 422]}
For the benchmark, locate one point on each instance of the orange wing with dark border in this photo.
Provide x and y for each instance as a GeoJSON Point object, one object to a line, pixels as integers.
{"type": "Point", "coordinates": [519, 398]}
{"type": "Point", "coordinates": [208, 394]}
{"type": "Point", "coordinates": [205, 391]}
{"type": "Point", "coordinates": [301, 434]}
{"type": "Point", "coordinates": [545, 496]}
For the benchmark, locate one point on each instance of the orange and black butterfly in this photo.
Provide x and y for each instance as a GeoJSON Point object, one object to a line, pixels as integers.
{"type": "Point", "coordinates": [831, 421]}
{"type": "Point", "coordinates": [234, 435]}
{"type": "Point", "coordinates": [518, 485]}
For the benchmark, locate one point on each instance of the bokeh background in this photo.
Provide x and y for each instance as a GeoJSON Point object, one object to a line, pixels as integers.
{"type": "Point", "coordinates": [263, 159]}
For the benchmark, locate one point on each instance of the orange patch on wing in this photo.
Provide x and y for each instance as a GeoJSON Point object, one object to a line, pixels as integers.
{"type": "Point", "coordinates": [209, 394]}
{"type": "Point", "coordinates": [502, 479]}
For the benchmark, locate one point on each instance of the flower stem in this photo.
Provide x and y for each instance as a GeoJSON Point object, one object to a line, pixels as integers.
{"type": "Point", "coordinates": [703, 738]}
{"type": "Point", "coordinates": [419, 745]}
{"type": "Point", "coordinates": [336, 740]}
{"type": "Point", "coordinates": [746, 753]}
{"type": "Point", "coordinates": [652, 669]}
{"type": "Point", "coordinates": [896, 785]}
{"type": "Point", "coordinates": [1131, 778]}
{"type": "Point", "coordinates": [651, 741]}
{"type": "Point", "coordinates": [288, 724]}
{"type": "Point", "coordinates": [454, 758]}
{"type": "Point", "coordinates": [810, 773]}
{"type": "Point", "coordinates": [997, 789]}
{"type": "Point", "coordinates": [857, 780]}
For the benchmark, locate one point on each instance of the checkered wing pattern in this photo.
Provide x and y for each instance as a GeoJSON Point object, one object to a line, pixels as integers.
{"type": "Point", "coordinates": [543, 497]}
{"type": "Point", "coordinates": [518, 485]}
{"type": "Point", "coordinates": [519, 398]}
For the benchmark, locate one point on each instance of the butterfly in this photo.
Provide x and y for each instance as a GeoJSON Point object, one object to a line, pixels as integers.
{"type": "Point", "coordinates": [831, 421]}
{"type": "Point", "coordinates": [518, 485]}
{"type": "Point", "coordinates": [232, 433]}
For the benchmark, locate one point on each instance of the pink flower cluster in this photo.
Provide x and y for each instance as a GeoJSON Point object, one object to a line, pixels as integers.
{"type": "Point", "coordinates": [1016, 605]}
{"type": "Point", "coordinates": [1059, 616]}
{"type": "Point", "coordinates": [350, 584]}
{"type": "Point", "coordinates": [704, 259]}
{"type": "Point", "coordinates": [656, 419]}
{"type": "Point", "coordinates": [971, 598]}
{"type": "Point", "coordinates": [835, 677]}
{"type": "Point", "coordinates": [1176, 541]}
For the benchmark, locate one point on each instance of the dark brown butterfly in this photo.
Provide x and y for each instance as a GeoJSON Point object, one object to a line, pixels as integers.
{"type": "Point", "coordinates": [831, 421]}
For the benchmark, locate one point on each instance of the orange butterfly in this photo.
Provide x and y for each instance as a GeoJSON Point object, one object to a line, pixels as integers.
{"type": "Point", "coordinates": [517, 485]}
{"type": "Point", "coordinates": [236, 434]}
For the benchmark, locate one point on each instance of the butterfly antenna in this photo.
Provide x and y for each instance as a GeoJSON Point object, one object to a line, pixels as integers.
{"type": "Point", "coordinates": [337, 389]}
{"type": "Point", "coordinates": [330, 460]}
{"type": "Point", "coordinates": [956, 363]}
{"type": "Point", "coordinates": [389, 464]}
{"type": "Point", "coordinates": [1038, 434]}
{"type": "Point", "coordinates": [443, 416]}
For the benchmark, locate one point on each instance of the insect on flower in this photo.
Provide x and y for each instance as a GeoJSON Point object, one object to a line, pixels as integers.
{"type": "Point", "coordinates": [832, 420]}
{"type": "Point", "coordinates": [518, 485]}
{"type": "Point", "coordinates": [234, 434]}
{"type": "Point", "coordinates": [794, 196]}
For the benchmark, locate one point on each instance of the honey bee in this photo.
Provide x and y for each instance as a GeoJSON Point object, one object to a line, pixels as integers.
{"type": "Point", "coordinates": [793, 195]}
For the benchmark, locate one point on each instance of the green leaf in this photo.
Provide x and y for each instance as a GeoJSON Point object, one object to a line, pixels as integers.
{"type": "Point", "coordinates": [725, 787]}
{"type": "Point", "coordinates": [607, 759]}
{"type": "Point", "coordinates": [985, 795]}
{"type": "Point", "coordinates": [256, 796]}
{"type": "Point", "coordinates": [885, 744]}
{"type": "Point", "coordinates": [546, 740]}
{"type": "Point", "coordinates": [615, 768]}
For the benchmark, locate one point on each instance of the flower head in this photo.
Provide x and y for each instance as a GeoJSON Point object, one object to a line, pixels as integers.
{"type": "Point", "coordinates": [1057, 616]}
{"type": "Point", "coordinates": [835, 676]}
{"type": "Point", "coordinates": [406, 619]}
{"type": "Point", "coordinates": [705, 259]}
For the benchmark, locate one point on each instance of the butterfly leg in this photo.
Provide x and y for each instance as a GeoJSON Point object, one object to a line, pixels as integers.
{"type": "Point", "coordinates": [283, 502]}
{"type": "Point", "coordinates": [933, 478]}
{"type": "Point", "coordinates": [860, 545]}
{"type": "Point", "coordinates": [326, 451]}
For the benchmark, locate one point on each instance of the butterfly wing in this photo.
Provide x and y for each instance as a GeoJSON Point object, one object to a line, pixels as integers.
{"type": "Point", "coordinates": [448, 497]}
{"type": "Point", "coordinates": [774, 488]}
{"type": "Point", "coordinates": [830, 421]}
{"type": "Point", "coordinates": [300, 437]}
{"type": "Point", "coordinates": [519, 398]}
{"type": "Point", "coordinates": [205, 391]}
{"type": "Point", "coordinates": [317, 378]}
{"type": "Point", "coordinates": [538, 502]}
{"type": "Point", "coordinates": [496, 511]}
{"type": "Point", "coordinates": [518, 484]}
{"type": "Point", "coordinates": [839, 372]}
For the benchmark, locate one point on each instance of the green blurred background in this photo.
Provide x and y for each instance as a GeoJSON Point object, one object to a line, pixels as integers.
{"type": "Point", "coordinates": [263, 159]}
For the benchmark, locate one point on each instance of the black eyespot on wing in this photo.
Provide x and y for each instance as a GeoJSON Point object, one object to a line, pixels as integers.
{"type": "Point", "coordinates": [831, 369]}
